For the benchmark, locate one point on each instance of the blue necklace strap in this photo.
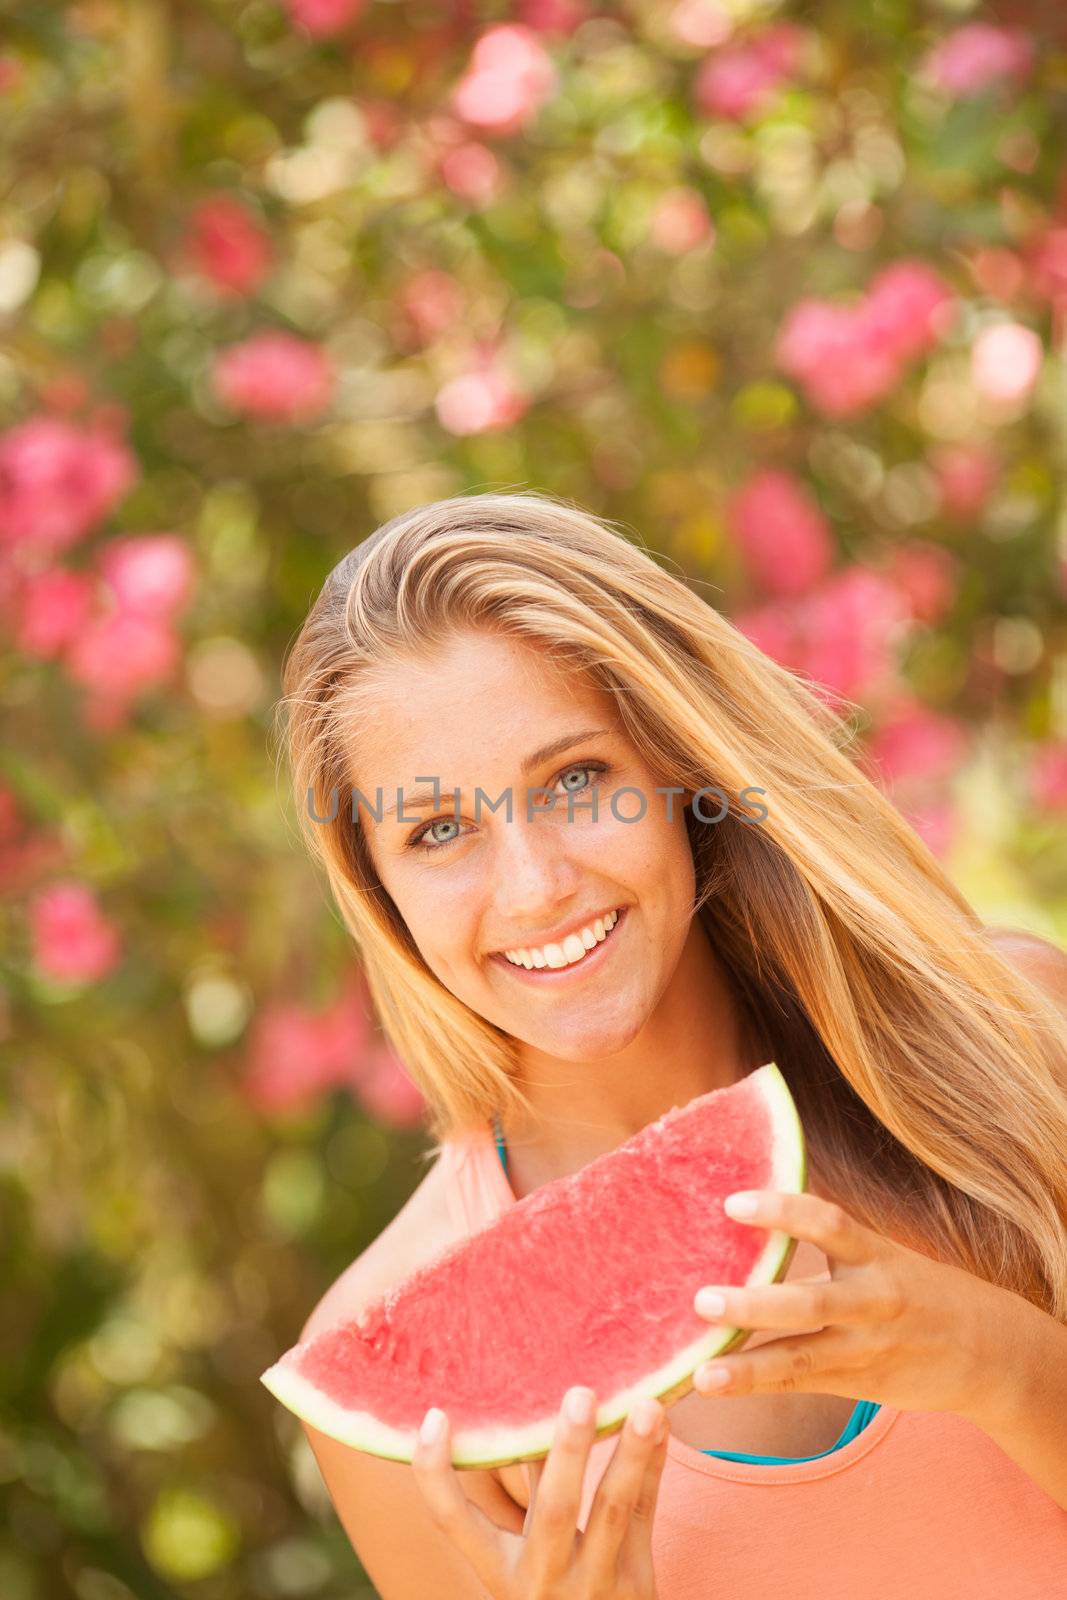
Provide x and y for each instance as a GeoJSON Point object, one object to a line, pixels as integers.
{"type": "Point", "coordinates": [502, 1149]}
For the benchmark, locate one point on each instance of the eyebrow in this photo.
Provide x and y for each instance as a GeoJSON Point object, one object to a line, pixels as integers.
{"type": "Point", "coordinates": [426, 797]}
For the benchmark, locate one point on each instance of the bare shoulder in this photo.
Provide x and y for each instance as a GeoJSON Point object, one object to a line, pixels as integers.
{"type": "Point", "coordinates": [1037, 958]}
{"type": "Point", "coordinates": [420, 1231]}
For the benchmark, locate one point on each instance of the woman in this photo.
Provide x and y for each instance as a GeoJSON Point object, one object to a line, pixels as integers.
{"type": "Point", "coordinates": [509, 644]}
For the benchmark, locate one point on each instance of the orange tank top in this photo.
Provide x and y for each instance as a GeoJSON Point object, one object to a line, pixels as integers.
{"type": "Point", "coordinates": [921, 1505]}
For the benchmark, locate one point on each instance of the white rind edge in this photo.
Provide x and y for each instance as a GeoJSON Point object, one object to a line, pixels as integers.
{"type": "Point", "coordinates": [490, 1446]}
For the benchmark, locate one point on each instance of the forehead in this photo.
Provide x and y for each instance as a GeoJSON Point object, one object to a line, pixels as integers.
{"type": "Point", "coordinates": [477, 700]}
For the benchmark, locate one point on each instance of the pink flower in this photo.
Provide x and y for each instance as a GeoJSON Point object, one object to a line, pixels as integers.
{"type": "Point", "coordinates": [229, 245]}
{"type": "Point", "coordinates": [928, 576]}
{"type": "Point", "coordinates": [509, 78]}
{"type": "Point", "coordinates": [848, 356]}
{"type": "Point", "coordinates": [149, 573]}
{"type": "Point", "coordinates": [1047, 775]}
{"type": "Point", "coordinates": [72, 939]}
{"type": "Point", "coordinates": [275, 376]}
{"type": "Point", "coordinates": [842, 636]}
{"type": "Point", "coordinates": [285, 1067]}
{"type": "Point", "coordinates": [295, 1055]}
{"type": "Point", "coordinates": [783, 45]}
{"type": "Point", "coordinates": [997, 271]}
{"type": "Point", "coordinates": [936, 821]}
{"type": "Point", "coordinates": [781, 530]}
{"type": "Point", "coordinates": [739, 82]}
{"type": "Point", "coordinates": [389, 1094]}
{"type": "Point", "coordinates": [58, 480]}
{"type": "Point", "coordinates": [25, 855]}
{"type": "Point", "coordinates": [480, 401]}
{"type": "Point", "coordinates": [1006, 361]}
{"type": "Point", "coordinates": [966, 476]}
{"type": "Point", "coordinates": [704, 23]}
{"type": "Point", "coordinates": [917, 742]}
{"type": "Point", "coordinates": [323, 19]}
{"type": "Point", "coordinates": [735, 84]}
{"type": "Point", "coordinates": [431, 301]}
{"type": "Point", "coordinates": [976, 56]}
{"type": "Point", "coordinates": [10, 820]}
{"type": "Point", "coordinates": [771, 628]}
{"type": "Point", "coordinates": [344, 1028]}
{"type": "Point", "coordinates": [680, 221]}
{"type": "Point", "coordinates": [66, 392]}
{"type": "Point", "coordinates": [383, 120]}
{"type": "Point", "coordinates": [907, 305]}
{"type": "Point", "coordinates": [849, 630]}
{"type": "Point", "coordinates": [122, 653]}
{"type": "Point", "coordinates": [472, 172]}
{"type": "Point", "coordinates": [558, 17]}
{"type": "Point", "coordinates": [52, 606]}
{"type": "Point", "coordinates": [1048, 264]}
{"type": "Point", "coordinates": [830, 351]}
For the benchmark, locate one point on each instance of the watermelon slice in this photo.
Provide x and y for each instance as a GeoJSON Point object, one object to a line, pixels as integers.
{"type": "Point", "coordinates": [589, 1279]}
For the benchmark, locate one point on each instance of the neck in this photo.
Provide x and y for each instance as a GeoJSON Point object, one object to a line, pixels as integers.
{"type": "Point", "coordinates": [697, 1039]}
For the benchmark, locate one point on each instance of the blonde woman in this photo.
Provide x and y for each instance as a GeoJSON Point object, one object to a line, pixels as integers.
{"type": "Point", "coordinates": [556, 978]}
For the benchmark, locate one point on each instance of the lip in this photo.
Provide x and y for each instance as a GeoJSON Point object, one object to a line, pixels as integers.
{"type": "Point", "coordinates": [551, 975]}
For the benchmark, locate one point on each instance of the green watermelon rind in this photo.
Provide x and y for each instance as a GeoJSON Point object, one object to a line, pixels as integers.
{"type": "Point", "coordinates": [502, 1445]}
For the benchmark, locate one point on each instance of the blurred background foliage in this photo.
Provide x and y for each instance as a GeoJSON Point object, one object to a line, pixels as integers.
{"type": "Point", "coordinates": [782, 288]}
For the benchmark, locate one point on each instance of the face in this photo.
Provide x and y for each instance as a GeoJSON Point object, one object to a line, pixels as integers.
{"type": "Point", "coordinates": [471, 885]}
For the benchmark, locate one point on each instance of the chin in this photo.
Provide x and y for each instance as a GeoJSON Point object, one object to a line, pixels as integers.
{"type": "Point", "coordinates": [588, 1043]}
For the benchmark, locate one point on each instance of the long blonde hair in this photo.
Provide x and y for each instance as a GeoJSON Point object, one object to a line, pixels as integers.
{"type": "Point", "coordinates": [929, 1074]}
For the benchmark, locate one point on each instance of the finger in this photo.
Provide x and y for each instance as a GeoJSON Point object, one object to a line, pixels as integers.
{"type": "Point", "coordinates": [476, 1535]}
{"type": "Point", "coordinates": [801, 1304]}
{"type": "Point", "coordinates": [808, 1216]}
{"type": "Point", "coordinates": [808, 1362]}
{"type": "Point", "coordinates": [553, 1521]}
{"type": "Point", "coordinates": [635, 1556]}
{"type": "Point", "coordinates": [534, 1470]}
{"type": "Point", "coordinates": [621, 1489]}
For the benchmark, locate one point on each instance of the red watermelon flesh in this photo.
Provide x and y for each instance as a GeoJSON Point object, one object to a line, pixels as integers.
{"type": "Point", "coordinates": [588, 1280]}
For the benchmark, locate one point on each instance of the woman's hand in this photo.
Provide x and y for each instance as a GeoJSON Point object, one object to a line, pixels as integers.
{"type": "Point", "coordinates": [551, 1559]}
{"type": "Point", "coordinates": [896, 1327]}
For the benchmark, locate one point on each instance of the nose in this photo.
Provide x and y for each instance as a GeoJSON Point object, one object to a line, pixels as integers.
{"type": "Point", "coordinates": [534, 877]}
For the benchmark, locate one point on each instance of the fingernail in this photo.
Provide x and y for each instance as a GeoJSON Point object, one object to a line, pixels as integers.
{"type": "Point", "coordinates": [709, 1303]}
{"type": "Point", "coordinates": [740, 1205]}
{"type": "Point", "coordinates": [433, 1426]}
{"type": "Point", "coordinates": [578, 1405]}
{"type": "Point", "coordinates": [715, 1378]}
{"type": "Point", "coordinates": [644, 1418]}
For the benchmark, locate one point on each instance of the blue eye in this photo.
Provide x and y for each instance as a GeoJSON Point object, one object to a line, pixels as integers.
{"type": "Point", "coordinates": [419, 840]}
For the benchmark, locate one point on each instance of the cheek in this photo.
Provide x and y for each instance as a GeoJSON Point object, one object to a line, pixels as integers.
{"type": "Point", "coordinates": [652, 854]}
{"type": "Point", "coordinates": [439, 915]}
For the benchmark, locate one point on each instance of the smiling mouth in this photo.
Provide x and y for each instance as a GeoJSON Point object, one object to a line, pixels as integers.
{"type": "Point", "coordinates": [545, 974]}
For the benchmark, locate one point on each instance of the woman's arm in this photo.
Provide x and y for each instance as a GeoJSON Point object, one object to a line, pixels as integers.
{"type": "Point", "coordinates": [1025, 1408]}
{"type": "Point", "coordinates": [382, 1510]}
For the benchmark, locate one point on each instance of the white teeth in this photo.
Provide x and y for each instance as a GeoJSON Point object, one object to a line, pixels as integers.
{"type": "Point", "coordinates": [572, 949]}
